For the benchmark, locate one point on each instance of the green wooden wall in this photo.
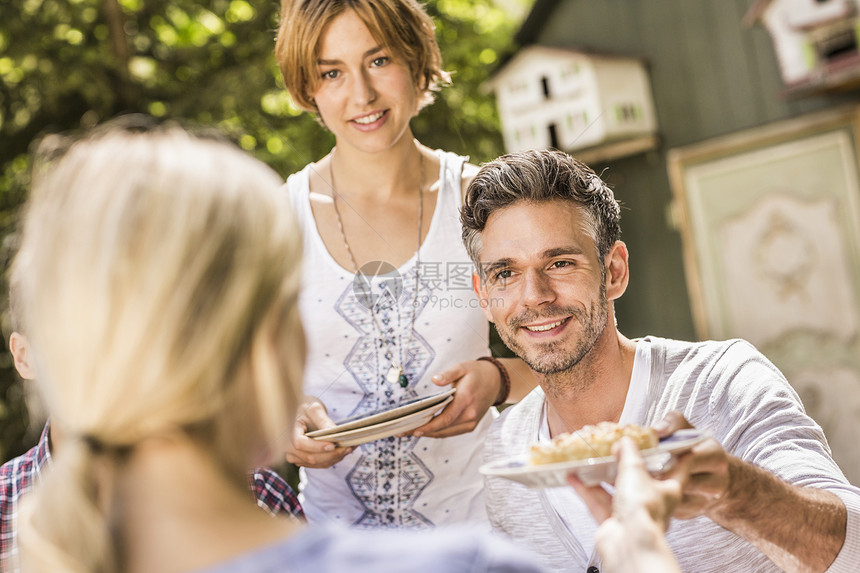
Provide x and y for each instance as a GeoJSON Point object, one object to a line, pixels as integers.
{"type": "Point", "coordinates": [710, 76]}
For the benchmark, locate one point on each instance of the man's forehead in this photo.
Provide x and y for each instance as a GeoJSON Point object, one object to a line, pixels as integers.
{"type": "Point", "coordinates": [524, 208]}
{"type": "Point", "coordinates": [517, 234]}
{"type": "Point", "coordinates": [513, 256]}
{"type": "Point", "coordinates": [525, 218]}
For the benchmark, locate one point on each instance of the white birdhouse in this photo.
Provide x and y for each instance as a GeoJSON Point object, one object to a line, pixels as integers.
{"type": "Point", "coordinates": [569, 100]}
{"type": "Point", "coordinates": [816, 41]}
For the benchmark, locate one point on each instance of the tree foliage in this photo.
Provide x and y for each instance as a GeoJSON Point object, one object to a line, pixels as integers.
{"type": "Point", "coordinates": [69, 64]}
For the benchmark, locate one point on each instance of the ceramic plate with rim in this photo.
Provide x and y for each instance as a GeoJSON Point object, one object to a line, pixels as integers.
{"type": "Point", "coordinates": [371, 418]}
{"type": "Point", "coordinates": [385, 429]}
{"type": "Point", "coordinates": [592, 471]}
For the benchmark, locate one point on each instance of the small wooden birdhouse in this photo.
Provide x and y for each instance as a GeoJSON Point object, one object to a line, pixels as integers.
{"type": "Point", "coordinates": [816, 41]}
{"type": "Point", "coordinates": [597, 106]}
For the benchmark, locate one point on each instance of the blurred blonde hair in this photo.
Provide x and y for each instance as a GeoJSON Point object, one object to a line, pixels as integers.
{"type": "Point", "coordinates": [159, 274]}
{"type": "Point", "coordinates": [401, 26]}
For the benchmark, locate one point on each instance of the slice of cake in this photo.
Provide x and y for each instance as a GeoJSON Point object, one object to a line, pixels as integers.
{"type": "Point", "coordinates": [590, 442]}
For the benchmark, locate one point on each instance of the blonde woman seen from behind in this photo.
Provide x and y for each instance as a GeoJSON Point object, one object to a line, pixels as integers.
{"type": "Point", "coordinates": [159, 274]}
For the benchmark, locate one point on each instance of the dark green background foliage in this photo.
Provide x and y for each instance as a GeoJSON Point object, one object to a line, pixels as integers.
{"type": "Point", "coordinates": [68, 64]}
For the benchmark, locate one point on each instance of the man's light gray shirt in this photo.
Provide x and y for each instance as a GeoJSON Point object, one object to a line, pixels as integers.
{"type": "Point", "coordinates": [727, 388]}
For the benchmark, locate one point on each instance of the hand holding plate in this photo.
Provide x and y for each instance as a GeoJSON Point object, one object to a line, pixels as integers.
{"type": "Point", "coordinates": [304, 451]}
{"type": "Point", "coordinates": [707, 466]}
{"type": "Point", "coordinates": [635, 489]}
{"type": "Point", "coordinates": [477, 384]}
{"type": "Point", "coordinates": [633, 521]}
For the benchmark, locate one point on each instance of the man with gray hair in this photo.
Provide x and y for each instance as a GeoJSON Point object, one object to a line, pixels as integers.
{"type": "Point", "coordinates": [544, 233]}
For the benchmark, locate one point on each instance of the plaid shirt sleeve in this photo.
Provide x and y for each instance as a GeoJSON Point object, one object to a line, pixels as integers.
{"type": "Point", "coordinates": [17, 477]}
{"type": "Point", "coordinates": [274, 495]}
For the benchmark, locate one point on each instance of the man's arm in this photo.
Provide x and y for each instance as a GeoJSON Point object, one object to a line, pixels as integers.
{"type": "Point", "coordinates": [798, 528]}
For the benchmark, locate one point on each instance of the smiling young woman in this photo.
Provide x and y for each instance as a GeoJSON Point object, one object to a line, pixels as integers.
{"type": "Point", "coordinates": [385, 320]}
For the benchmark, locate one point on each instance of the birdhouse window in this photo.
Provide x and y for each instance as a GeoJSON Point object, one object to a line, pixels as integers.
{"type": "Point", "coordinates": [626, 112]}
{"type": "Point", "coordinates": [836, 42]}
{"type": "Point", "coordinates": [553, 136]}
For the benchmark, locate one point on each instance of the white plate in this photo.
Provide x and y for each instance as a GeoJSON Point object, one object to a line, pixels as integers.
{"type": "Point", "coordinates": [379, 416]}
{"type": "Point", "coordinates": [385, 429]}
{"type": "Point", "coordinates": [593, 470]}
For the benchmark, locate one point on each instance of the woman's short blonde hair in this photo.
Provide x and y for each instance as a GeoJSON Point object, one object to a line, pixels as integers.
{"type": "Point", "coordinates": [159, 273]}
{"type": "Point", "coordinates": [401, 26]}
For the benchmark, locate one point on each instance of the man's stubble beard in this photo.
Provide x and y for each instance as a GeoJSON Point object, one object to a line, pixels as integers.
{"type": "Point", "coordinates": [548, 359]}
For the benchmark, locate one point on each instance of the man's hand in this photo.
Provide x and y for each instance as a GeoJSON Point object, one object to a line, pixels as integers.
{"type": "Point", "coordinates": [478, 383]}
{"type": "Point", "coordinates": [309, 453]}
{"type": "Point", "coordinates": [709, 475]}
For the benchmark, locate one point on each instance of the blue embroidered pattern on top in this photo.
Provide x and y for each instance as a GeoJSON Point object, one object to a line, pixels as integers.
{"type": "Point", "coordinates": [388, 476]}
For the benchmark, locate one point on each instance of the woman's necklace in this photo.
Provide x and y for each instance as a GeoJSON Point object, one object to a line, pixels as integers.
{"type": "Point", "coordinates": [395, 370]}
